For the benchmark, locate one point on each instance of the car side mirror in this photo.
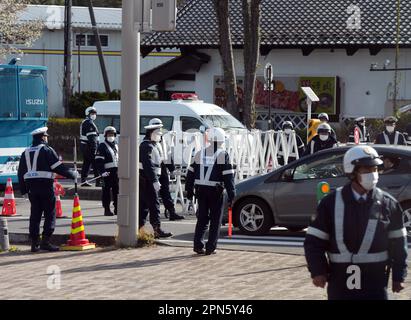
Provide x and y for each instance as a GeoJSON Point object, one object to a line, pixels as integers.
{"type": "Point", "coordinates": [288, 175]}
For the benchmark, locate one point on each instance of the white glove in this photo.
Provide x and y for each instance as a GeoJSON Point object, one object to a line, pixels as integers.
{"type": "Point", "coordinates": [76, 174]}
{"type": "Point", "coordinates": [157, 186]}
{"type": "Point", "coordinates": [105, 174]}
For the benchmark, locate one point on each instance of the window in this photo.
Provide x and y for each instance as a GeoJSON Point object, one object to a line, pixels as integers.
{"type": "Point", "coordinates": [167, 123]}
{"type": "Point", "coordinates": [103, 121]}
{"type": "Point", "coordinates": [89, 40]}
{"type": "Point", "coordinates": [323, 168]}
{"type": "Point", "coordinates": [394, 164]}
{"type": "Point", "coordinates": [223, 121]}
{"type": "Point", "coordinates": [190, 123]}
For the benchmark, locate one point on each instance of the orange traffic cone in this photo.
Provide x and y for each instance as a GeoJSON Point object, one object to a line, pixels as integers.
{"type": "Point", "coordinates": [59, 191]}
{"type": "Point", "coordinates": [9, 203]}
{"type": "Point", "coordinates": [78, 241]}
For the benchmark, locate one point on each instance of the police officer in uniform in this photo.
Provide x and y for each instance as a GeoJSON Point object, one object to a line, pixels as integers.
{"type": "Point", "coordinates": [209, 174]}
{"type": "Point", "coordinates": [107, 166]}
{"type": "Point", "coordinates": [287, 128]}
{"type": "Point", "coordinates": [358, 235]}
{"type": "Point", "coordinates": [166, 168]}
{"type": "Point", "coordinates": [150, 171]}
{"type": "Point", "coordinates": [364, 135]}
{"type": "Point", "coordinates": [323, 140]}
{"type": "Point", "coordinates": [390, 135]}
{"type": "Point", "coordinates": [35, 174]}
{"type": "Point", "coordinates": [323, 117]}
{"type": "Point", "coordinates": [88, 144]}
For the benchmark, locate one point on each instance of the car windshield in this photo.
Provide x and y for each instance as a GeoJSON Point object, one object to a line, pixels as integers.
{"type": "Point", "coordinates": [223, 121]}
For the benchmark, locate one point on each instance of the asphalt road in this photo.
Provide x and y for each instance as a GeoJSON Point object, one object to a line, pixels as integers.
{"type": "Point", "coordinates": [279, 240]}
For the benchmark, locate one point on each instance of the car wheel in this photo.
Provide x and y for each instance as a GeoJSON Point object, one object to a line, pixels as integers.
{"type": "Point", "coordinates": [406, 206]}
{"type": "Point", "coordinates": [254, 217]}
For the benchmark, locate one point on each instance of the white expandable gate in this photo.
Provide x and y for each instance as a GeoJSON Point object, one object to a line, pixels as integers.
{"type": "Point", "coordinates": [252, 153]}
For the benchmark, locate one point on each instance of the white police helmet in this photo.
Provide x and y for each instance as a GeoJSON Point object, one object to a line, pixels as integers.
{"type": "Point", "coordinates": [359, 119]}
{"type": "Point", "coordinates": [216, 135]}
{"type": "Point", "coordinates": [360, 156]}
{"type": "Point", "coordinates": [40, 131]}
{"type": "Point", "coordinates": [154, 123]}
{"type": "Point", "coordinates": [90, 110]}
{"type": "Point", "coordinates": [110, 129]}
{"type": "Point", "coordinates": [287, 124]}
{"type": "Point", "coordinates": [323, 115]}
{"type": "Point", "coordinates": [324, 127]}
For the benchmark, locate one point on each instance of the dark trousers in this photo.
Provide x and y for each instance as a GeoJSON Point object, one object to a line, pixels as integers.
{"type": "Point", "coordinates": [210, 210]}
{"type": "Point", "coordinates": [42, 202]}
{"type": "Point", "coordinates": [110, 191]}
{"type": "Point", "coordinates": [148, 202]}
{"type": "Point", "coordinates": [165, 194]}
{"type": "Point", "coordinates": [88, 160]}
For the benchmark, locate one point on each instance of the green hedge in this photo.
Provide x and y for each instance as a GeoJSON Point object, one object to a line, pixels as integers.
{"type": "Point", "coordinates": [62, 134]}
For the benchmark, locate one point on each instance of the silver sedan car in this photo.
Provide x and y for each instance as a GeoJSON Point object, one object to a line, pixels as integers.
{"type": "Point", "coordinates": [287, 197]}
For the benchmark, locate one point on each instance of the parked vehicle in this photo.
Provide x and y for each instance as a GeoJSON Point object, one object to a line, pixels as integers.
{"type": "Point", "coordinates": [183, 114]}
{"type": "Point", "coordinates": [23, 108]}
{"type": "Point", "coordinates": [286, 197]}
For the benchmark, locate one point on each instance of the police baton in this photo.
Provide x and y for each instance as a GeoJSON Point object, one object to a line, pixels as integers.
{"type": "Point", "coordinates": [75, 166]}
{"type": "Point", "coordinates": [83, 183]}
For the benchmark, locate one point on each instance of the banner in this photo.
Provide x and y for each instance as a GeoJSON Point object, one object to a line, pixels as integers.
{"type": "Point", "coordinates": [287, 96]}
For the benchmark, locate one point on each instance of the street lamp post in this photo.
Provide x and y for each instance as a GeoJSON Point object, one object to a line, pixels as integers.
{"type": "Point", "coordinates": [268, 76]}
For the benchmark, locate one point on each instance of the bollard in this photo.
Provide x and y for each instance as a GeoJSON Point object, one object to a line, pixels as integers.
{"type": "Point", "coordinates": [4, 235]}
{"type": "Point", "coordinates": [323, 188]}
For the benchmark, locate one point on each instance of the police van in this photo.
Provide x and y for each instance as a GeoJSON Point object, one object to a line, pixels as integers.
{"type": "Point", "coordinates": [184, 113]}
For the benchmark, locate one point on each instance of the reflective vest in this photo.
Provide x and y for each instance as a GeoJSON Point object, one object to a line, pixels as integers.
{"type": "Point", "coordinates": [32, 172]}
{"type": "Point", "coordinates": [114, 156]}
{"type": "Point", "coordinates": [363, 255]}
{"type": "Point", "coordinates": [387, 139]}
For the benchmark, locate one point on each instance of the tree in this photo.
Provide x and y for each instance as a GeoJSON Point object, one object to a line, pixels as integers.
{"type": "Point", "coordinates": [226, 52]}
{"type": "Point", "coordinates": [13, 33]}
{"type": "Point", "coordinates": [251, 52]}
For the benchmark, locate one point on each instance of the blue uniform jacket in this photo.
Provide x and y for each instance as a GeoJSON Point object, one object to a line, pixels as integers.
{"type": "Point", "coordinates": [107, 157]}
{"type": "Point", "coordinates": [222, 172]}
{"type": "Point", "coordinates": [389, 235]}
{"type": "Point", "coordinates": [47, 162]}
{"type": "Point", "coordinates": [89, 134]}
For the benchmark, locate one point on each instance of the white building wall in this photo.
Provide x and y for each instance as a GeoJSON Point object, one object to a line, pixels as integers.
{"type": "Point", "coordinates": [354, 72]}
{"type": "Point", "coordinates": [91, 76]}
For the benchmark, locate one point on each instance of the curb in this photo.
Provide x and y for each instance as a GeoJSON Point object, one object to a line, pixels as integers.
{"type": "Point", "coordinates": [59, 239]}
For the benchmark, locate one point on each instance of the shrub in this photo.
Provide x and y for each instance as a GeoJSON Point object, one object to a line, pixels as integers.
{"type": "Point", "coordinates": [62, 133]}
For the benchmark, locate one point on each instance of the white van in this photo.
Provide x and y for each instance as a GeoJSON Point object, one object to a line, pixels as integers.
{"type": "Point", "coordinates": [177, 115]}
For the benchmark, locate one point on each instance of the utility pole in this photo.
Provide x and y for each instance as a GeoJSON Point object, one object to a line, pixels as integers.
{"type": "Point", "coordinates": [135, 19]}
{"type": "Point", "coordinates": [79, 62]}
{"type": "Point", "coordinates": [68, 42]}
{"type": "Point", "coordinates": [397, 56]}
{"type": "Point", "coordinates": [127, 218]}
{"type": "Point", "coordinates": [98, 46]}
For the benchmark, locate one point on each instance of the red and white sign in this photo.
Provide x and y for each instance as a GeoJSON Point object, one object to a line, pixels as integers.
{"type": "Point", "coordinates": [356, 135]}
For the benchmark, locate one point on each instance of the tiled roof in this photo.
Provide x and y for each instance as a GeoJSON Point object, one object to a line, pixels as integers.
{"type": "Point", "coordinates": [292, 24]}
{"type": "Point", "coordinates": [53, 16]}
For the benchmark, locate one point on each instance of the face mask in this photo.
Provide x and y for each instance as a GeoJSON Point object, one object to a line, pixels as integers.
{"type": "Point", "coordinates": [369, 180]}
{"type": "Point", "coordinates": [390, 129]}
{"type": "Point", "coordinates": [93, 117]}
{"type": "Point", "coordinates": [156, 135]}
{"type": "Point", "coordinates": [323, 137]}
{"type": "Point", "coordinates": [111, 139]}
{"type": "Point", "coordinates": [287, 131]}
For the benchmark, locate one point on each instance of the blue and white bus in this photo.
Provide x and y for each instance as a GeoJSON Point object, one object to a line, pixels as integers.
{"type": "Point", "coordinates": [23, 108]}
